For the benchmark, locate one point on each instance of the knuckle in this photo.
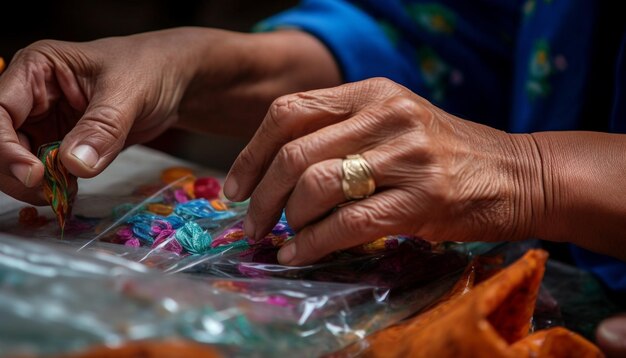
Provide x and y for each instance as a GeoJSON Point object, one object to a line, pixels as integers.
{"type": "Point", "coordinates": [319, 181]}
{"type": "Point", "coordinates": [37, 49]}
{"type": "Point", "coordinates": [275, 111]}
{"type": "Point", "coordinates": [381, 82]}
{"type": "Point", "coordinates": [41, 44]}
{"type": "Point", "coordinates": [357, 220]}
{"type": "Point", "coordinates": [292, 156]}
{"type": "Point", "coordinates": [308, 242]}
{"type": "Point", "coordinates": [246, 159]}
{"type": "Point", "coordinates": [426, 115]}
{"type": "Point", "coordinates": [421, 144]}
{"type": "Point", "coordinates": [108, 120]}
{"type": "Point", "coordinates": [384, 87]}
{"type": "Point", "coordinates": [281, 107]}
{"type": "Point", "coordinates": [107, 113]}
{"type": "Point", "coordinates": [403, 111]}
{"type": "Point", "coordinates": [404, 105]}
{"type": "Point", "coordinates": [409, 150]}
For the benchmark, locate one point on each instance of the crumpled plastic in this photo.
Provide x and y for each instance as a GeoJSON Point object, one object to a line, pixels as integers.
{"type": "Point", "coordinates": [55, 300]}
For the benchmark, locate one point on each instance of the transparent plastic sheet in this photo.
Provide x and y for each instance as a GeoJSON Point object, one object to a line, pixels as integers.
{"type": "Point", "coordinates": [316, 309]}
{"type": "Point", "coordinates": [56, 301]}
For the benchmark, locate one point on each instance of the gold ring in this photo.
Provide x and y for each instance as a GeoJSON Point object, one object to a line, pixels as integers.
{"type": "Point", "coordinates": [357, 182]}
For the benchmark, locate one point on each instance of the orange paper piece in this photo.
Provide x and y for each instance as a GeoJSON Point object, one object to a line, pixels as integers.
{"type": "Point", "coordinates": [490, 320]}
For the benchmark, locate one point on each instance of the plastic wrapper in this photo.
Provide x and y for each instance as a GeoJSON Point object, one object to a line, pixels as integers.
{"type": "Point", "coordinates": [57, 301]}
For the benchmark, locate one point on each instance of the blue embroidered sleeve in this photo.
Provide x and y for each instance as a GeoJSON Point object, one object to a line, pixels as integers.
{"type": "Point", "coordinates": [358, 42]}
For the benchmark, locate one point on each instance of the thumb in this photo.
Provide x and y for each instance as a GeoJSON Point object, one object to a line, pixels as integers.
{"type": "Point", "coordinates": [99, 135]}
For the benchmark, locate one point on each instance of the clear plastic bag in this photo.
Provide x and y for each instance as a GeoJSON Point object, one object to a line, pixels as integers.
{"type": "Point", "coordinates": [64, 291]}
{"type": "Point", "coordinates": [54, 300]}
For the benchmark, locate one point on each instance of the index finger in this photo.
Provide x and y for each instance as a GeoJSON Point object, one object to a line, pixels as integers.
{"type": "Point", "coordinates": [16, 101]}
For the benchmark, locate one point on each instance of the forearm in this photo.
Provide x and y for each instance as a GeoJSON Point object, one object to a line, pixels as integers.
{"type": "Point", "coordinates": [238, 75]}
{"type": "Point", "coordinates": [584, 191]}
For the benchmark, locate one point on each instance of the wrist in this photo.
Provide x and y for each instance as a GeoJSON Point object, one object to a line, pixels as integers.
{"type": "Point", "coordinates": [584, 189]}
{"type": "Point", "coordinates": [531, 188]}
{"type": "Point", "coordinates": [176, 52]}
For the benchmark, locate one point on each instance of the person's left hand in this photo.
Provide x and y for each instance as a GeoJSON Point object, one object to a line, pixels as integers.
{"type": "Point", "coordinates": [437, 176]}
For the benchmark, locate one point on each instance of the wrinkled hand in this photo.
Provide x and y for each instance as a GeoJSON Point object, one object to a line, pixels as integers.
{"type": "Point", "coordinates": [98, 97]}
{"type": "Point", "coordinates": [437, 176]}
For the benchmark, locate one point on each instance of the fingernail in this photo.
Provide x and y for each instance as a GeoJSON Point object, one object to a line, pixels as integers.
{"type": "Point", "coordinates": [248, 227]}
{"type": "Point", "coordinates": [287, 253]}
{"type": "Point", "coordinates": [230, 188]}
{"type": "Point", "coordinates": [86, 154]}
{"type": "Point", "coordinates": [22, 172]}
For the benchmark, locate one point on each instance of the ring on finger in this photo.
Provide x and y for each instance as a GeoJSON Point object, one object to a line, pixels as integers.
{"type": "Point", "coordinates": [357, 180]}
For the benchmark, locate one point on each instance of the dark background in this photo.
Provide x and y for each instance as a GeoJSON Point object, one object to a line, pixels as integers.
{"type": "Point", "coordinates": [23, 22]}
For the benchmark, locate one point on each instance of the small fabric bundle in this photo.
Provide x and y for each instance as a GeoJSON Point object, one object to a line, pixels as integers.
{"type": "Point", "coordinates": [59, 185]}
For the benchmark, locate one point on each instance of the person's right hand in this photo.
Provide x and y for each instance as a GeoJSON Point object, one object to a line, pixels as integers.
{"type": "Point", "coordinates": [98, 97]}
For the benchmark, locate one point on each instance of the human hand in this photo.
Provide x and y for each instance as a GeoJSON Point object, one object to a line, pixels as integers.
{"type": "Point", "coordinates": [437, 176]}
{"type": "Point", "coordinates": [98, 97]}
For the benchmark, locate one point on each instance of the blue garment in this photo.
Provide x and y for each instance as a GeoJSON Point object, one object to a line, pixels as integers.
{"type": "Point", "coordinates": [516, 65]}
